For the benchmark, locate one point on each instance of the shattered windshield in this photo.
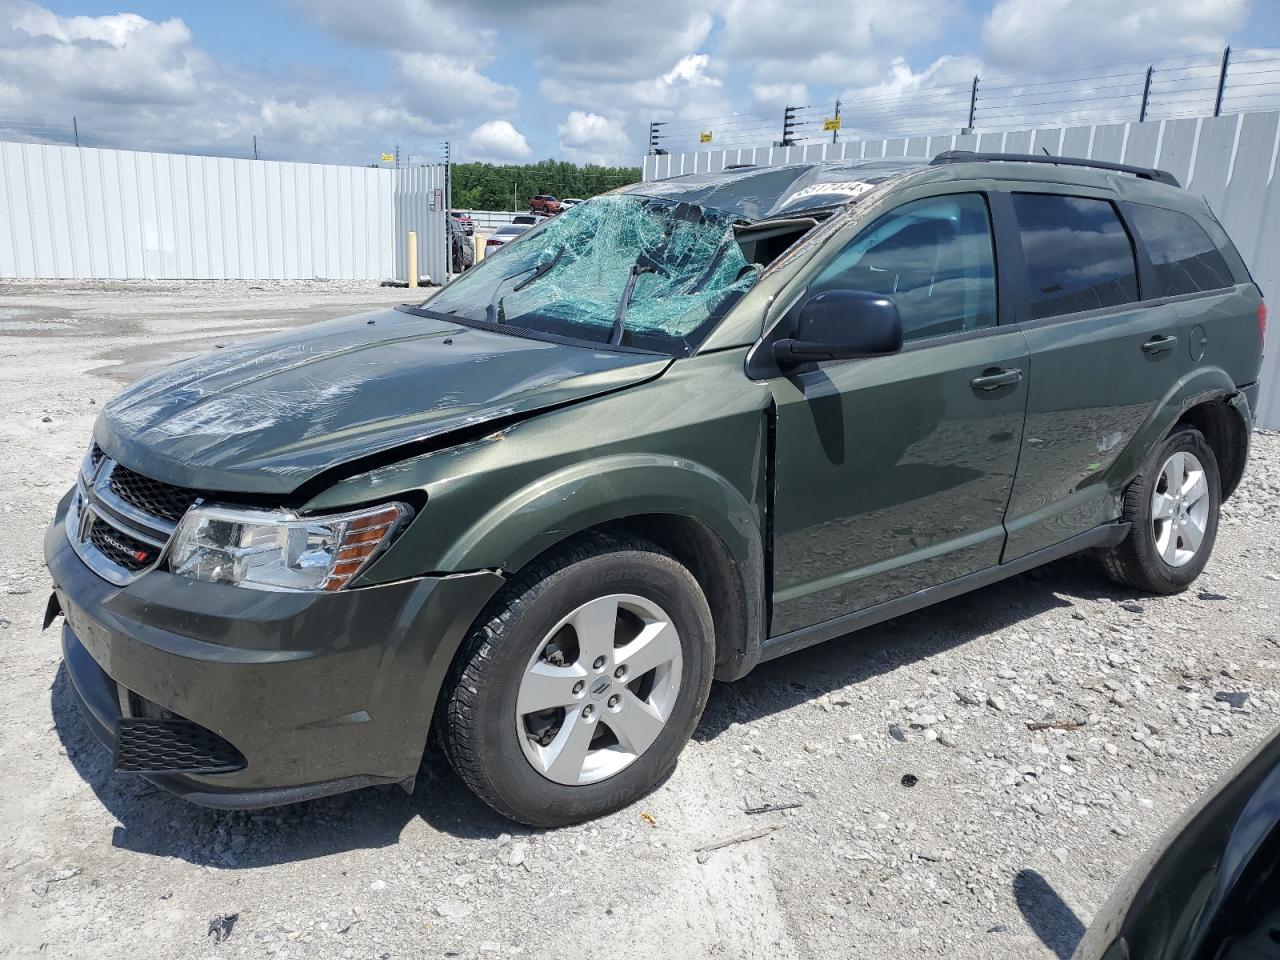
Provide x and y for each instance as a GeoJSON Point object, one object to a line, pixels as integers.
{"type": "Point", "coordinates": [630, 271]}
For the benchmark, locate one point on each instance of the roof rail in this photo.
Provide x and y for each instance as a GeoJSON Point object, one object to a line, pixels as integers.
{"type": "Point", "coordinates": [970, 156]}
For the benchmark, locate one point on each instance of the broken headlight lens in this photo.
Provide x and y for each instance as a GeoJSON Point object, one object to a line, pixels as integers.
{"type": "Point", "coordinates": [276, 550]}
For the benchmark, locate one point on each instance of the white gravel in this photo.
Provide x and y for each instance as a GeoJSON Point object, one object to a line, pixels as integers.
{"type": "Point", "coordinates": [1008, 839]}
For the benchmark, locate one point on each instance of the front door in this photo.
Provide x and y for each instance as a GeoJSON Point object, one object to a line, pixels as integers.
{"type": "Point", "coordinates": [893, 473]}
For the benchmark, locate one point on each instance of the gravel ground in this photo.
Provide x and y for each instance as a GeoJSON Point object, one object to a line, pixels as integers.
{"type": "Point", "coordinates": [927, 817]}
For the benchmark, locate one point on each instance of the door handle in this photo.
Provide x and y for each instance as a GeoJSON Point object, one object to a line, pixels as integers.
{"type": "Point", "coordinates": [1158, 345]}
{"type": "Point", "coordinates": [995, 379]}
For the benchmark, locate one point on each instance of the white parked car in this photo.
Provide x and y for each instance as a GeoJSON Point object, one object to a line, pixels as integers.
{"type": "Point", "coordinates": [504, 235]}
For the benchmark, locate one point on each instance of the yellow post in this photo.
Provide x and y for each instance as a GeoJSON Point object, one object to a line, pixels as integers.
{"type": "Point", "coordinates": [479, 241]}
{"type": "Point", "coordinates": [412, 246]}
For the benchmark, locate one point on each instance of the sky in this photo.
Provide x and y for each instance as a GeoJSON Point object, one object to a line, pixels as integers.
{"type": "Point", "coordinates": [579, 80]}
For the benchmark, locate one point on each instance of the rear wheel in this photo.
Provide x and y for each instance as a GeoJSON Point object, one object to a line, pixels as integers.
{"type": "Point", "coordinates": [1172, 507]}
{"type": "Point", "coordinates": [578, 689]}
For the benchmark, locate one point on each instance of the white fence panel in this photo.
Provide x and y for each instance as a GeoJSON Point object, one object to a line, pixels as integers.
{"type": "Point", "coordinates": [81, 212]}
{"type": "Point", "coordinates": [1231, 161]}
{"type": "Point", "coordinates": [420, 203]}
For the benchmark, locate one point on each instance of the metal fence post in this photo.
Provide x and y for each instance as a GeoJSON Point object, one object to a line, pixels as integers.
{"type": "Point", "coordinates": [973, 105]}
{"type": "Point", "coordinates": [1146, 96]}
{"type": "Point", "coordinates": [1222, 81]}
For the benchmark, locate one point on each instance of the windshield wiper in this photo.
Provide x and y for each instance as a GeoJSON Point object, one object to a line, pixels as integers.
{"type": "Point", "coordinates": [495, 302]}
{"type": "Point", "coordinates": [539, 272]}
{"type": "Point", "coordinates": [644, 264]}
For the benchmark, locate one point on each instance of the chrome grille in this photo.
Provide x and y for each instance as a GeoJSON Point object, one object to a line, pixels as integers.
{"type": "Point", "coordinates": [120, 548]}
{"type": "Point", "coordinates": [150, 496]}
{"type": "Point", "coordinates": [120, 522]}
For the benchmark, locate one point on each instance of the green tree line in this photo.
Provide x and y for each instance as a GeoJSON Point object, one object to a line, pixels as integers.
{"type": "Point", "coordinates": [488, 186]}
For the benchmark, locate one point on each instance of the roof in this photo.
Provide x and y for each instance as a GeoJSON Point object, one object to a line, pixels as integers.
{"type": "Point", "coordinates": [759, 193]}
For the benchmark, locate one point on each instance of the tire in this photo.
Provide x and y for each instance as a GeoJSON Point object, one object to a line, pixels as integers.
{"type": "Point", "coordinates": [521, 764]}
{"type": "Point", "coordinates": [1144, 559]}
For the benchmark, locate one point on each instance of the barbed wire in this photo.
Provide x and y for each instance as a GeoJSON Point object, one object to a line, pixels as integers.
{"type": "Point", "coordinates": [1169, 88]}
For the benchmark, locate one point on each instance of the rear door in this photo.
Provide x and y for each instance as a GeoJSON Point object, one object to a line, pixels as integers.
{"type": "Point", "coordinates": [1101, 359]}
{"type": "Point", "coordinates": [893, 473]}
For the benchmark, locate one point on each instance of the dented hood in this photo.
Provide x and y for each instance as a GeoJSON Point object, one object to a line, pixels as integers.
{"type": "Point", "coordinates": [268, 416]}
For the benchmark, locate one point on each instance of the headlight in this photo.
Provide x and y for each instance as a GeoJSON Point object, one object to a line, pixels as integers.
{"type": "Point", "coordinates": [277, 550]}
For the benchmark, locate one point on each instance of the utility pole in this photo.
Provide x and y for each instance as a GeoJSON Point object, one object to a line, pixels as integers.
{"type": "Point", "coordinates": [75, 129]}
{"type": "Point", "coordinates": [1222, 82]}
{"type": "Point", "coordinates": [835, 134]}
{"type": "Point", "coordinates": [255, 146]}
{"type": "Point", "coordinates": [448, 175]}
{"type": "Point", "coordinates": [655, 135]}
{"type": "Point", "coordinates": [788, 126]}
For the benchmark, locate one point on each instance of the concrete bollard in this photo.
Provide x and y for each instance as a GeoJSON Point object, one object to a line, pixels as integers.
{"type": "Point", "coordinates": [479, 239]}
{"type": "Point", "coordinates": [412, 253]}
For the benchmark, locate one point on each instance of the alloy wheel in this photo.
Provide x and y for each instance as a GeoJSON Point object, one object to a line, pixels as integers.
{"type": "Point", "coordinates": [598, 689]}
{"type": "Point", "coordinates": [1180, 509]}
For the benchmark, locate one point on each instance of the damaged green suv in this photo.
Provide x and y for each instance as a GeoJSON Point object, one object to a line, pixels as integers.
{"type": "Point", "coordinates": [674, 432]}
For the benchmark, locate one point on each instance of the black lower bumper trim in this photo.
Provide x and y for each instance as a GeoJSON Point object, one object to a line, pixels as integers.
{"type": "Point", "coordinates": [95, 694]}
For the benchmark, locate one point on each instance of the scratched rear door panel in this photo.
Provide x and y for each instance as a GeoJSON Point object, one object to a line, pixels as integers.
{"type": "Point", "coordinates": [1092, 386]}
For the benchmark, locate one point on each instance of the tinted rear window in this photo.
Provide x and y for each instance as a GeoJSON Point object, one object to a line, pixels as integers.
{"type": "Point", "coordinates": [1078, 254]}
{"type": "Point", "coordinates": [1186, 260]}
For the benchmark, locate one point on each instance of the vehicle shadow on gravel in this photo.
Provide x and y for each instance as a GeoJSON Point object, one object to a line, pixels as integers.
{"type": "Point", "coordinates": [152, 821]}
{"type": "Point", "coordinates": [799, 677]}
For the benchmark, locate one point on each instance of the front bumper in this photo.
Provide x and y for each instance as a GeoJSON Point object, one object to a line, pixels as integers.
{"type": "Point", "coordinates": [320, 693]}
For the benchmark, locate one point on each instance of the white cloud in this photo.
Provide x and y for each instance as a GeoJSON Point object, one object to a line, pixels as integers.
{"type": "Point", "coordinates": [1039, 35]}
{"type": "Point", "coordinates": [122, 58]}
{"type": "Point", "coordinates": [143, 84]}
{"type": "Point", "coordinates": [409, 25]}
{"type": "Point", "coordinates": [590, 138]}
{"type": "Point", "coordinates": [442, 86]}
{"type": "Point", "coordinates": [780, 94]}
{"type": "Point", "coordinates": [496, 141]}
{"type": "Point", "coordinates": [836, 40]}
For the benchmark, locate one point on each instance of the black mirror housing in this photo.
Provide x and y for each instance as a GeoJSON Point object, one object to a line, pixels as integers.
{"type": "Point", "coordinates": [842, 325]}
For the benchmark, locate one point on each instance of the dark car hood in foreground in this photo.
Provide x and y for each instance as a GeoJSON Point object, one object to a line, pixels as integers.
{"type": "Point", "coordinates": [270, 415]}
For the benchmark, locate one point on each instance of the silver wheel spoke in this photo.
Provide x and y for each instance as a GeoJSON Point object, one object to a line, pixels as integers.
{"type": "Point", "coordinates": [567, 754]}
{"type": "Point", "coordinates": [1169, 548]}
{"type": "Point", "coordinates": [595, 624]}
{"type": "Point", "coordinates": [1176, 472]}
{"type": "Point", "coordinates": [636, 724]}
{"type": "Point", "coordinates": [1162, 506]}
{"type": "Point", "coordinates": [1195, 489]}
{"type": "Point", "coordinates": [656, 644]}
{"type": "Point", "coordinates": [1192, 535]}
{"type": "Point", "coordinates": [546, 686]}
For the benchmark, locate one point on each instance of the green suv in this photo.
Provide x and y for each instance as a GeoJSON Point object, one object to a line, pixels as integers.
{"type": "Point", "coordinates": [679, 430]}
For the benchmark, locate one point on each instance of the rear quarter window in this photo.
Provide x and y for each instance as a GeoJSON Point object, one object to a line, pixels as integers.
{"type": "Point", "coordinates": [1078, 254]}
{"type": "Point", "coordinates": [1186, 260]}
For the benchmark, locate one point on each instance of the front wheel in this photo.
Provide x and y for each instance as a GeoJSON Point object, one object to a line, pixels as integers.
{"type": "Point", "coordinates": [577, 690]}
{"type": "Point", "coordinates": [1172, 507]}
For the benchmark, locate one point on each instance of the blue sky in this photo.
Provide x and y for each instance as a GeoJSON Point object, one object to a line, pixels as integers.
{"type": "Point", "coordinates": [581, 79]}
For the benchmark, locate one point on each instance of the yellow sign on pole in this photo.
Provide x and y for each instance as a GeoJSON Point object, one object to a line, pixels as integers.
{"type": "Point", "coordinates": [832, 123]}
{"type": "Point", "coordinates": [704, 136]}
{"type": "Point", "coordinates": [388, 158]}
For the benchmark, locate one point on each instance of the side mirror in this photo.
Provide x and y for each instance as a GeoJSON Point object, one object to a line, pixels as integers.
{"type": "Point", "coordinates": [842, 325]}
